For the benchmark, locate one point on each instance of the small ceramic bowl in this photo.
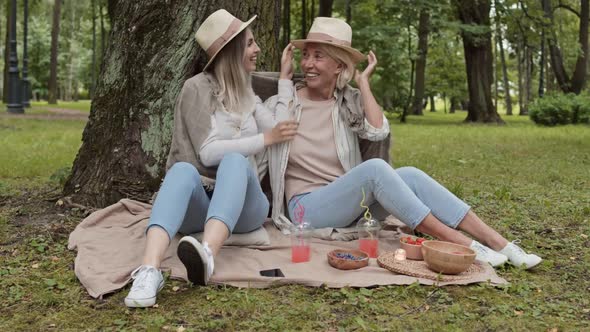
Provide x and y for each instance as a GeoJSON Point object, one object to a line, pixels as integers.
{"type": "Point", "coordinates": [446, 257]}
{"type": "Point", "coordinates": [413, 251]}
{"type": "Point", "coordinates": [348, 259]}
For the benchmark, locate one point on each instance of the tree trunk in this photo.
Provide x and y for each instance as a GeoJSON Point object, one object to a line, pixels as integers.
{"type": "Point", "coordinates": [54, 46]}
{"type": "Point", "coordinates": [102, 30]}
{"type": "Point", "coordinates": [407, 106]}
{"type": "Point", "coordinates": [326, 8]}
{"type": "Point", "coordinates": [478, 61]}
{"type": "Point", "coordinates": [348, 11]}
{"type": "Point", "coordinates": [454, 105]}
{"type": "Point", "coordinates": [126, 140]}
{"type": "Point", "coordinates": [286, 23]}
{"type": "Point", "coordinates": [93, 76]}
{"type": "Point", "coordinates": [578, 80]}
{"type": "Point", "coordinates": [432, 106]}
{"type": "Point", "coordinates": [423, 29]}
{"type": "Point", "coordinates": [505, 82]}
{"type": "Point", "coordinates": [6, 55]}
{"type": "Point", "coordinates": [303, 19]}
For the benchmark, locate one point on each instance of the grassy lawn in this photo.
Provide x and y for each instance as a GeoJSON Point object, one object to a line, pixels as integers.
{"type": "Point", "coordinates": [529, 182]}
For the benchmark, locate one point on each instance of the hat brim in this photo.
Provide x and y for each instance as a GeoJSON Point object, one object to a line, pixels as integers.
{"type": "Point", "coordinates": [357, 56]}
{"type": "Point", "coordinates": [242, 27]}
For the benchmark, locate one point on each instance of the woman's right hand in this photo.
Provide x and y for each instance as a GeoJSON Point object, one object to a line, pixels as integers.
{"type": "Point", "coordinates": [282, 132]}
{"type": "Point", "coordinates": [287, 63]}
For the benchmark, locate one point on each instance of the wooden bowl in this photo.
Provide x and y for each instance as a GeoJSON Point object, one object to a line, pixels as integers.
{"type": "Point", "coordinates": [413, 251]}
{"type": "Point", "coordinates": [362, 259]}
{"type": "Point", "coordinates": [446, 257]}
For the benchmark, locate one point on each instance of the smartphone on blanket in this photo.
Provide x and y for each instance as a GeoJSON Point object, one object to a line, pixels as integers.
{"type": "Point", "coordinates": [273, 273]}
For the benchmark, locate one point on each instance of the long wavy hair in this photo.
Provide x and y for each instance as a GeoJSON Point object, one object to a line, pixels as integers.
{"type": "Point", "coordinates": [235, 85]}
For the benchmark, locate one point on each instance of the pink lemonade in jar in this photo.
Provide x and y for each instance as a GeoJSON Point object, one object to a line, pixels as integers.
{"type": "Point", "coordinates": [300, 253]}
{"type": "Point", "coordinates": [369, 246]}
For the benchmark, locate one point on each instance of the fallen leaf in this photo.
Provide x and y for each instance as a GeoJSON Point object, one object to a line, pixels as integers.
{"type": "Point", "coordinates": [59, 202]}
{"type": "Point", "coordinates": [573, 258]}
{"type": "Point", "coordinates": [175, 288]}
{"type": "Point", "coordinates": [156, 305]}
{"type": "Point", "coordinates": [518, 313]}
{"type": "Point", "coordinates": [553, 330]}
{"type": "Point", "coordinates": [52, 325]}
{"type": "Point", "coordinates": [586, 311]}
{"type": "Point", "coordinates": [584, 236]}
{"type": "Point", "coordinates": [35, 266]}
{"type": "Point", "coordinates": [54, 258]}
{"type": "Point", "coordinates": [166, 328]}
{"type": "Point", "coordinates": [180, 329]}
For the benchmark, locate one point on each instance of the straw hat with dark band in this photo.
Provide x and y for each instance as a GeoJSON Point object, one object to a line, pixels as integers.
{"type": "Point", "coordinates": [331, 31]}
{"type": "Point", "coordinates": [217, 30]}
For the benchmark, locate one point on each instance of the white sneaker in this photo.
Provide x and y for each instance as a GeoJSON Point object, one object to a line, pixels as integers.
{"type": "Point", "coordinates": [147, 282]}
{"type": "Point", "coordinates": [487, 255]}
{"type": "Point", "coordinates": [518, 257]}
{"type": "Point", "coordinates": [197, 258]}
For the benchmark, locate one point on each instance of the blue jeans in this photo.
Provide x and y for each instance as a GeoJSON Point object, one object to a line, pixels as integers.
{"type": "Point", "coordinates": [407, 193]}
{"type": "Point", "coordinates": [184, 206]}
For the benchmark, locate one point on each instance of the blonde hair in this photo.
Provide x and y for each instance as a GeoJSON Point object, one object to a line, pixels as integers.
{"type": "Point", "coordinates": [235, 86]}
{"type": "Point", "coordinates": [342, 57]}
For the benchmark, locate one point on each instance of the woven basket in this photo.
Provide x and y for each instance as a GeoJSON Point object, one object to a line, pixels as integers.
{"type": "Point", "coordinates": [419, 269]}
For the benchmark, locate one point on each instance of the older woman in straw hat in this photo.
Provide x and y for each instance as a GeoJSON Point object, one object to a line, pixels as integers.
{"type": "Point", "coordinates": [322, 168]}
{"type": "Point", "coordinates": [212, 183]}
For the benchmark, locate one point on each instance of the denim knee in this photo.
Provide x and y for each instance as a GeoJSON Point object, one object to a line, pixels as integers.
{"type": "Point", "coordinates": [378, 166]}
{"type": "Point", "coordinates": [186, 171]}
{"type": "Point", "coordinates": [235, 158]}
{"type": "Point", "coordinates": [410, 173]}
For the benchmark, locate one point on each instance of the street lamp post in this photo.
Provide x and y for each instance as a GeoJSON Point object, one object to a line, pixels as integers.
{"type": "Point", "coordinates": [26, 86]}
{"type": "Point", "coordinates": [14, 99]}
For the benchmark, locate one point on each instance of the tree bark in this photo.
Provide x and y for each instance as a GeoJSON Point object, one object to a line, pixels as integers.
{"type": "Point", "coordinates": [303, 19]}
{"type": "Point", "coordinates": [505, 81]}
{"type": "Point", "coordinates": [286, 23]}
{"type": "Point", "coordinates": [348, 11]}
{"type": "Point", "coordinates": [6, 54]}
{"type": "Point", "coordinates": [432, 106]}
{"type": "Point", "coordinates": [423, 29]}
{"type": "Point", "coordinates": [93, 74]}
{"type": "Point", "coordinates": [578, 79]}
{"type": "Point", "coordinates": [54, 46]}
{"type": "Point", "coordinates": [326, 8]}
{"type": "Point", "coordinates": [478, 61]}
{"type": "Point", "coordinates": [126, 140]}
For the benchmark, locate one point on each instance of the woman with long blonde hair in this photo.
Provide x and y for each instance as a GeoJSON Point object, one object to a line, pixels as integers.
{"type": "Point", "coordinates": [212, 182]}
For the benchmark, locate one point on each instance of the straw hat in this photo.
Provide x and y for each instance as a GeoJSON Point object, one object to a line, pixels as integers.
{"type": "Point", "coordinates": [217, 30]}
{"type": "Point", "coordinates": [331, 31]}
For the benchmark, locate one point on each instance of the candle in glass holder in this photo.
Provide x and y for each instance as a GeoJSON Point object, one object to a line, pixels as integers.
{"type": "Point", "coordinates": [399, 255]}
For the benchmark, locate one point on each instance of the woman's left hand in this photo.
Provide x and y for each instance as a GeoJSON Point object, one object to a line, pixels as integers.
{"type": "Point", "coordinates": [363, 77]}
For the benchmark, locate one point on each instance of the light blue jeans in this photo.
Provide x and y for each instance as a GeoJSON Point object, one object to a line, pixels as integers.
{"type": "Point", "coordinates": [183, 205]}
{"type": "Point", "coordinates": [407, 193]}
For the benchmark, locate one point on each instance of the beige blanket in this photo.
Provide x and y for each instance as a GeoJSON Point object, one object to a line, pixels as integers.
{"type": "Point", "coordinates": [110, 245]}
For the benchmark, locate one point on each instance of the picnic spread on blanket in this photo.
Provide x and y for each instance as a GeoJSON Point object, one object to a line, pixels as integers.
{"type": "Point", "coordinates": [110, 244]}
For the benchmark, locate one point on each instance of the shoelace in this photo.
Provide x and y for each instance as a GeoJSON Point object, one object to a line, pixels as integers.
{"type": "Point", "coordinates": [141, 278]}
{"type": "Point", "coordinates": [518, 248]}
{"type": "Point", "coordinates": [480, 248]}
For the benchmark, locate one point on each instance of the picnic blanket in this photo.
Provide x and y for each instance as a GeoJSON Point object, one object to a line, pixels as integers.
{"type": "Point", "coordinates": [110, 244]}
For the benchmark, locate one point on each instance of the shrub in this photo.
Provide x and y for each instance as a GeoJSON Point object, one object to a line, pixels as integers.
{"type": "Point", "coordinates": [552, 110]}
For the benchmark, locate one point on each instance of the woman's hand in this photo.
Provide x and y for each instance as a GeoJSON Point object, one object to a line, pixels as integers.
{"type": "Point", "coordinates": [282, 132]}
{"type": "Point", "coordinates": [363, 78]}
{"type": "Point", "coordinates": [287, 63]}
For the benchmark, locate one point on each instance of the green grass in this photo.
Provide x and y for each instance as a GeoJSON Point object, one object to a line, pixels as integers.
{"type": "Point", "coordinates": [531, 183]}
{"type": "Point", "coordinates": [81, 105]}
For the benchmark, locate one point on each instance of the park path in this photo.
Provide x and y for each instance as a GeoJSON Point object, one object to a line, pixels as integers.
{"type": "Point", "coordinates": [54, 114]}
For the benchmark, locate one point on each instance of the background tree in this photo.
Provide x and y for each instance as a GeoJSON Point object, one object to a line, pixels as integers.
{"type": "Point", "coordinates": [476, 33]}
{"type": "Point", "coordinates": [54, 44]}
{"type": "Point", "coordinates": [126, 141]}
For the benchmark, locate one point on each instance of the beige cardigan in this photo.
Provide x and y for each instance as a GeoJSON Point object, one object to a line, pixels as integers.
{"type": "Point", "coordinates": [195, 104]}
{"type": "Point", "coordinates": [356, 139]}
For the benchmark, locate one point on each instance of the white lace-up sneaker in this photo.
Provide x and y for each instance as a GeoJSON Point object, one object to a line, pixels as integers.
{"type": "Point", "coordinates": [518, 257]}
{"type": "Point", "coordinates": [197, 258]}
{"type": "Point", "coordinates": [147, 282]}
{"type": "Point", "coordinates": [487, 255]}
